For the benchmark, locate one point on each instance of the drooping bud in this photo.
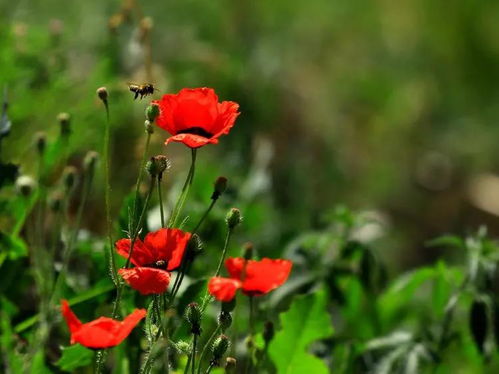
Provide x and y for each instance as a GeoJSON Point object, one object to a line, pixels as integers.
{"type": "Point", "coordinates": [90, 162]}
{"type": "Point", "coordinates": [64, 122]}
{"type": "Point", "coordinates": [193, 315]}
{"type": "Point", "coordinates": [102, 94]}
{"type": "Point", "coordinates": [219, 187]}
{"type": "Point", "coordinates": [69, 177]}
{"type": "Point", "coordinates": [229, 306]}
{"type": "Point", "coordinates": [248, 251]}
{"type": "Point", "coordinates": [220, 346]}
{"type": "Point", "coordinates": [233, 218]}
{"type": "Point", "coordinates": [41, 142]}
{"type": "Point", "coordinates": [25, 185]}
{"type": "Point", "coordinates": [149, 127]}
{"type": "Point", "coordinates": [268, 332]}
{"type": "Point", "coordinates": [194, 246]}
{"type": "Point", "coordinates": [224, 320]}
{"type": "Point", "coordinates": [230, 365]}
{"type": "Point", "coordinates": [152, 111]}
{"type": "Point", "coordinates": [157, 165]}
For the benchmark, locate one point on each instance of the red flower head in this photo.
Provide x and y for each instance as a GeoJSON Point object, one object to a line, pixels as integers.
{"type": "Point", "coordinates": [154, 258]}
{"type": "Point", "coordinates": [253, 277]}
{"type": "Point", "coordinates": [195, 117]}
{"type": "Point", "coordinates": [100, 333]}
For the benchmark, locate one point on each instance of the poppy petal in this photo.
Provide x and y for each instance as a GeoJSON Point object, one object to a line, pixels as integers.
{"type": "Point", "coordinates": [146, 280]}
{"type": "Point", "coordinates": [168, 245]}
{"type": "Point", "coordinates": [141, 254]}
{"type": "Point", "coordinates": [191, 140]}
{"type": "Point", "coordinates": [265, 275]}
{"type": "Point", "coordinates": [223, 289]}
{"type": "Point", "coordinates": [72, 321]}
{"type": "Point", "coordinates": [235, 266]}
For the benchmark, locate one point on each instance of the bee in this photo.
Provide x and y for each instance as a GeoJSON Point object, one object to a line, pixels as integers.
{"type": "Point", "coordinates": [144, 89]}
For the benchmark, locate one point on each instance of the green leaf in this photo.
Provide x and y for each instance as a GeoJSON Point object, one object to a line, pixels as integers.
{"type": "Point", "coordinates": [75, 356]}
{"type": "Point", "coordinates": [13, 246]}
{"type": "Point", "coordinates": [38, 364]}
{"type": "Point", "coordinates": [450, 241]}
{"type": "Point", "coordinates": [305, 322]}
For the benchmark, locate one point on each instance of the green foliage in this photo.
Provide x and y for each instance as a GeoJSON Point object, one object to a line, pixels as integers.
{"type": "Point", "coordinates": [75, 356]}
{"type": "Point", "coordinates": [304, 323]}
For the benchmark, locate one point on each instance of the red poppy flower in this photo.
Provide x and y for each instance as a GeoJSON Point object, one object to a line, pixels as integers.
{"type": "Point", "coordinates": [159, 253]}
{"type": "Point", "coordinates": [253, 277]}
{"type": "Point", "coordinates": [100, 333]}
{"type": "Point", "coordinates": [195, 117]}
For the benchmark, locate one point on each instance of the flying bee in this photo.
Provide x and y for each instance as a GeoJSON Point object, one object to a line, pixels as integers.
{"type": "Point", "coordinates": [144, 89]}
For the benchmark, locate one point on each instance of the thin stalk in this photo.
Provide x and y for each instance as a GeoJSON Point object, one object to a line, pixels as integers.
{"type": "Point", "coordinates": [160, 198]}
{"type": "Point", "coordinates": [139, 179]}
{"type": "Point", "coordinates": [193, 354]}
{"type": "Point", "coordinates": [206, 346]}
{"type": "Point", "coordinates": [185, 190]}
{"type": "Point", "coordinates": [212, 364]}
{"type": "Point", "coordinates": [251, 333]}
{"type": "Point", "coordinates": [187, 365]}
{"type": "Point", "coordinates": [107, 182]}
{"type": "Point", "coordinates": [203, 217]}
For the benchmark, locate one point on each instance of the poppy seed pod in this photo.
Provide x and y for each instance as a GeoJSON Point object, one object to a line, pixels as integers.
{"type": "Point", "coordinates": [69, 178]}
{"type": "Point", "coordinates": [193, 316]}
{"type": "Point", "coordinates": [25, 185]}
{"type": "Point", "coordinates": [90, 161]}
{"type": "Point", "coordinates": [219, 187]}
{"type": "Point", "coordinates": [230, 365]}
{"type": "Point", "coordinates": [157, 165]}
{"type": "Point", "coordinates": [56, 202]}
{"type": "Point", "coordinates": [224, 320]}
{"type": "Point", "coordinates": [64, 122]}
{"type": "Point", "coordinates": [41, 142]}
{"type": "Point", "coordinates": [233, 218]}
{"type": "Point", "coordinates": [152, 111]}
{"type": "Point", "coordinates": [220, 346]}
{"type": "Point", "coordinates": [102, 93]}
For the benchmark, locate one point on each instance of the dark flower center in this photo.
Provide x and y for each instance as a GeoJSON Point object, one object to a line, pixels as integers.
{"type": "Point", "coordinates": [196, 131]}
{"type": "Point", "coordinates": [160, 264]}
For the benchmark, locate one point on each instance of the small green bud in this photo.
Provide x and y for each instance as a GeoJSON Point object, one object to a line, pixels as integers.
{"type": "Point", "coordinates": [41, 142]}
{"type": "Point", "coordinates": [230, 365]}
{"type": "Point", "coordinates": [65, 122]}
{"type": "Point", "coordinates": [233, 218]}
{"type": "Point", "coordinates": [229, 306]}
{"type": "Point", "coordinates": [224, 320]}
{"type": "Point", "coordinates": [220, 346]}
{"type": "Point", "coordinates": [268, 332]}
{"type": "Point", "coordinates": [183, 347]}
{"type": "Point", "coordinates": [25, 185]}
{"type": "Point", "coordinates": [219, 188]}
{"type": "Point", "coordinates": [149, 127]}
{"type": "Point", "coordinates": [69, 177]}
{"type": "Point", "coordinates": [90, 161]}
{"type": "Point", "coordinates": [152, 111]}
{"type": "Point", "coordinates": [193, 316]}
{"type": "Point", "coordinates": [157, 165]}
{"type": "Point", "coordinates": [102, 94]}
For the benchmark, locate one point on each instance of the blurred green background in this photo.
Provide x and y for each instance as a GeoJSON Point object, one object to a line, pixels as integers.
{"type": "Point", "coordinates": [387, 107]}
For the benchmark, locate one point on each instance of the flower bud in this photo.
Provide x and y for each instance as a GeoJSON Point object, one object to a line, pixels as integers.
{"type": "Point", "coordinates": [233, 218]}
{"type": "Point", "coordinates": [268, 332]}
{"type": "Point", "coordinates": [219, 188]}
{"type": "Point", "coordinates": [157, 165]}
{"type": "Point", "coordinates": [90, 161]}
{"type": "Point", "coordinates": [25, 185]}
{"type": "Point", "coordinates": [56, 202]}
{"type": "Point", "coordinates": [183, 347]}
{"type": "Point", "coordinates": [248, 251]}
{"type": "Point", "coordinates": [193, 316]}
{"type": "Point", "coordinates": [229, 306]}
{"type": "Point", "coordinates": [224, 320]}
{"type": "Point", "coordinates": [64, 122]}
{"type": "Point", "coordinates": [41, 142]}
{"type": "Point", "coordinates": [230, 365]}
{"type": "Point", "coordinates": [152, 111]}
{"type": "Point", "coordinates": [69, 177]}
{"type": "Point", "coordinates": [102, 93]}
{"type": "Point", "coordinates": [194, 246]}
{"type": "Point", "coordinates": [220, 346]}
{"type": "Point", "coordinates": [149, 127]}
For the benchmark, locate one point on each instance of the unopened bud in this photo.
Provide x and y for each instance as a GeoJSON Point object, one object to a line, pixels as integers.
{"type": "Point", "coordinates": [229, 306]}
{"type": "Point", "coordinates": [183, 347]}
{"type": "Point", "coordinates": [220, 346]}
{"type": "Point", "coordinates": [268, 332]}
{"type": "Point", "coordinates": [69, 177]}
{"type": "Point", "coordinates": [25, 185]}
{"type": "Point", "coordinates": [230, 365]}
{"type": "Point", "coordinates": [224, 320]}
{"type": "Point", "coordinates": [152, 111]}
{"type": "Point", "coordinates": [64, 122]}
{"type": "Point", "coordinates": [149, 127]}
{"type": "Point", "coordinates": [193, 316]}
{"type": "Point", "coordinates": [41, 142]}
{"type": "Point", "coordinates": [90, 161]}
{"type": "Point", "coordinates": [56, 202]}
{"type": "Point", "coordinates": [194, 246]}
{"type": "Point", "coordinates": [248, 251]}
{"type": "Point", "coordinates": [219, 188]}
{"type": "Point", "coordinates": [102, 93]}
{"type": "Point", "coordinates": [157, 165]}
{"type": "Point", "coordinates": [233, 218]}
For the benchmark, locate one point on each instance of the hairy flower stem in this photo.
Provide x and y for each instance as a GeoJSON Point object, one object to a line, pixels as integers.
{"type": "Point", "coordinates": [107, 177]}
{"type": "Point", "coordinates": [160, 198]}
{"type": "Point", "coordinates": [193, 353]}
{"type": "Point", "coordinates": [206, 347]}
{"type": "Point", "coordinates": [139, 181]}
{"type": "Point", "coordinates": [185, 191]}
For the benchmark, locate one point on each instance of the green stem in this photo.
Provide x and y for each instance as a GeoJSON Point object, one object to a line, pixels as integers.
{"type": "Point", "coordinates": [206, 347]}
{"type": "Point", "coordinates": [139, 181]}
{"type": "Point", "coordinates": [160, 197]}
{"type": "Point", "coordinates": [193, 354]}
{"type": "Point", "coordinates": [187, 365]}
{"type": "Point", "coordinates": [185, 190]}
{"type": "Point", "coordinates": [251, 333]}
{"type": "Point", "coordinates": [209, 368]}
{"type": "Point", "coordinates": [207, 211]}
